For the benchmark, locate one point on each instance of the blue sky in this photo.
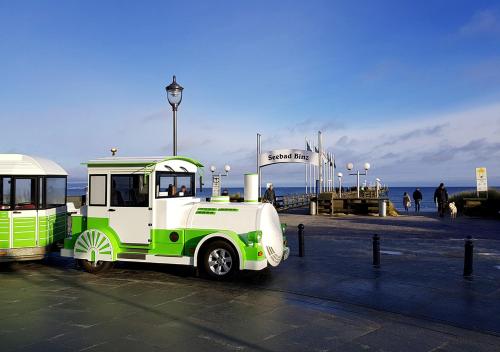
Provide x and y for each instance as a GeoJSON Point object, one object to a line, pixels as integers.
{"type": "Point", "coordinates": [412, 87]}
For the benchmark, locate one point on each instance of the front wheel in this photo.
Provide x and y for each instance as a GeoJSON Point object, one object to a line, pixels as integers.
{"type": "Point", "coordinates": [95, 267]}
{"type": "Point", "coordinates": [220, 261]}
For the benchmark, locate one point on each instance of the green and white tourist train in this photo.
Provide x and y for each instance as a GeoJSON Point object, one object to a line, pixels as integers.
{"type": "Point", "coordinates": [145, 210]}
{"type": "Point", "coordinates": [32, 206]}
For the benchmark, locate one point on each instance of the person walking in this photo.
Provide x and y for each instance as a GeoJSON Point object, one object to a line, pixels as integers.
{"type": "Point", "coordinates": [441, 199]}
{"type": "Point", "coordinates": [406, 202]}
{"type": "Point", "coordinates": [417, 198]}
{"type": "Point", "coordinates": [269, 195]}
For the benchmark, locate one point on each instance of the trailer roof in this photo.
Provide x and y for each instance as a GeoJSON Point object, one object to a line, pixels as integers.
{"type": "Point", "coordinates": [137, 161]}
{"type": "Point", "coordinates": [20, 164]}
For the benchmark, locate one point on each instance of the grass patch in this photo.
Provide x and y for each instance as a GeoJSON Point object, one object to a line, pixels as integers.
{"type": "Point", "coordinates": [484, 207]}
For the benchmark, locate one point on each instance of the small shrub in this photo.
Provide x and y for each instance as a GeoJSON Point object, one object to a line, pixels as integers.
{"type": "Point", "coordinates": [391, 209]}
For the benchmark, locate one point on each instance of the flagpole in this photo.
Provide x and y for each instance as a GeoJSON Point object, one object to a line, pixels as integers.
{"type": "Point", "coordinates": [330, 170]}
{"type": "Point", "coordinates": [311, 166]}
{"type": "Point", "coordinates": [328, 173]}
{"type": "Point", "coordinates": [314, 174]}
{"type": "Point", "coordinates": [259, 175]}
{"type": "Point", "coordinates": [305, 169]}
{"type": "Point", "coordinates": [333, 171]}
{"type": "Point", "coordinates": [331, 174]}
{"type": "Point", "coordinates": [320, 169]}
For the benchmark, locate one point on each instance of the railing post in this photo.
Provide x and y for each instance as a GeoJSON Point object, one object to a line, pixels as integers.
{"type": "Point", "coordinates": [301, 240]}
{"type": "Point", "coordinates": [376, 251]}
{"type": "Point", "coordinates": [468, 256]}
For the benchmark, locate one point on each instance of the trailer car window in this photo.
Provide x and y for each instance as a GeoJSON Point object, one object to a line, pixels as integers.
{"type": "Point", "coordinates": [25, 193]}
{"type": "Point", "coordinates": [56, 191]}
{"type": "Point", "coordinates": [5, 185]}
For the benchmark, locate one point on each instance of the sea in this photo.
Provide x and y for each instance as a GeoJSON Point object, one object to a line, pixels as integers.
{"type": "Point", "coordinates": [395, 193]}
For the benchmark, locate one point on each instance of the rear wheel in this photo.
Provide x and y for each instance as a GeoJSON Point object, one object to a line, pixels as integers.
{"type": "Point", "coordinates": [95, 267]}
{"type": "Point", "coordinates": [220, 260]}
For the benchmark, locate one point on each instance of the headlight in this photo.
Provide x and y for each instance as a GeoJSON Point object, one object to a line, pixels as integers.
{"type": "Point", "coordinates": [255, 236]}
{"type": "Point", "coordinates": [283, 228]}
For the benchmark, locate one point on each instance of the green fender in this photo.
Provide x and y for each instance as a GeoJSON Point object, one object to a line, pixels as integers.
{"type": "Point", "coordinates": [102, 225]}
{"type": "Point", "coordinates": [230, 236]}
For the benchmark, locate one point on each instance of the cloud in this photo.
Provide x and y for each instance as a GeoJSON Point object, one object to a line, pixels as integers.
{"type": "Point", "coordinates": [317, 124]}
{"type": "Point", "coordinates": [482, 22]}
{"type": "Point", "coordinates": [441, 146]}
{"type": "Point", "coordinates": [430, 131]}
{"type": "Point", "coordinates": [154, 116]}
{"type": "Point", "coordinates": [477, 149]}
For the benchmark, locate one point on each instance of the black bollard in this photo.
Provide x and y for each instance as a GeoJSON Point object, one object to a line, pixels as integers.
{"type": "Point", "coordinates": [468, 254]}
{"type": "Point", "coordinates": [376, 251]}
{"type": "Point", "coordinates": [301, 240]}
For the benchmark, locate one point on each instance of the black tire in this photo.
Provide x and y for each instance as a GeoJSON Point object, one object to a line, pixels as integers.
{"type": "Point", "coordinates": [95, 268]}
{"type": "Point", "coordinates": [226, 266]}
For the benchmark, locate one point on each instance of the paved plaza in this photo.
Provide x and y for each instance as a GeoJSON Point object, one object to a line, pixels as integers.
{"type": "Point", "coordinates": [330, 300]}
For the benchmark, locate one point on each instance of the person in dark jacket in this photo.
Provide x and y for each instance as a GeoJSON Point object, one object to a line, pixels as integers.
{"type": "Point", "coordinates": [269, 195]}
{"type": "Point", "coordinates": [441, 199]}
{"type": "Point", "coordinates": [417, 197]}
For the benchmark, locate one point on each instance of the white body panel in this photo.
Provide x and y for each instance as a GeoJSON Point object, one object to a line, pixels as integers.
{"type": "Point", "coordinates": [172, 213]}
{"type": "Point", "coordinates": [131, 223]}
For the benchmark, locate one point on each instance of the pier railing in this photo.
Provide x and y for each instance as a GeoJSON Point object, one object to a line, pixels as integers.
{"type": "Point", "coordinates": [292, 201]}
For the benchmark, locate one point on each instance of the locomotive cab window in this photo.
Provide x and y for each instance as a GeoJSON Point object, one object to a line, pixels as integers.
{"type": "Point", "coordinates": [174, 184]}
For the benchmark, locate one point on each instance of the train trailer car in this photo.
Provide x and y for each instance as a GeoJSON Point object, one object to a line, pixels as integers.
{"type": "Point", "coordinates": [145, 210]}
{"type": "Point", "coordinates": [32, 207]}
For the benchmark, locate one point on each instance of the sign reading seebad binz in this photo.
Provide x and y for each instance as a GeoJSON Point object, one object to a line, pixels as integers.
{"type": "Point", "coordinates": [288, 156]}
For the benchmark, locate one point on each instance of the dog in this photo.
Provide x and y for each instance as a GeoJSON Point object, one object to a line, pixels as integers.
{"type": "Point", "coordinates": [453, 210]}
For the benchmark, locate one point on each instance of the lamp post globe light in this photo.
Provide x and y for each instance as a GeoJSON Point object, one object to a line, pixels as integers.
{"type": "Point", "coordinates": [174, 96]}
{"type": "Point", "coordinates": [213, 168]}
{"type": "Point", "coordinates": [350, 166]}
{"type": "Point", "coordinates": [227, 168]}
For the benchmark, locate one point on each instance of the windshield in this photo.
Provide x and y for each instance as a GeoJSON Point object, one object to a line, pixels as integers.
{"type": "Point", "coordinates": [174, 184]}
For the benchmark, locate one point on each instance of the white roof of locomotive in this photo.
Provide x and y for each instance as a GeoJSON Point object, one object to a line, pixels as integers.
{"type": "Point", "coordinates": [20, 164]}
{"type": "Point", "coordinates": [126, 160]}
{"type": "Point", "coordinates": [176, 163]}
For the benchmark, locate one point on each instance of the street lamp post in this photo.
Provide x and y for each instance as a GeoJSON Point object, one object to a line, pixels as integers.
{"type": "Point", "coordinates": [339, 175]}
{"type": "Point", "coordinates": [216, 179]}
{"type": "Point", "coordinates": [174, 95]}
{"type": "Point", "coordinates": [350, 166]}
